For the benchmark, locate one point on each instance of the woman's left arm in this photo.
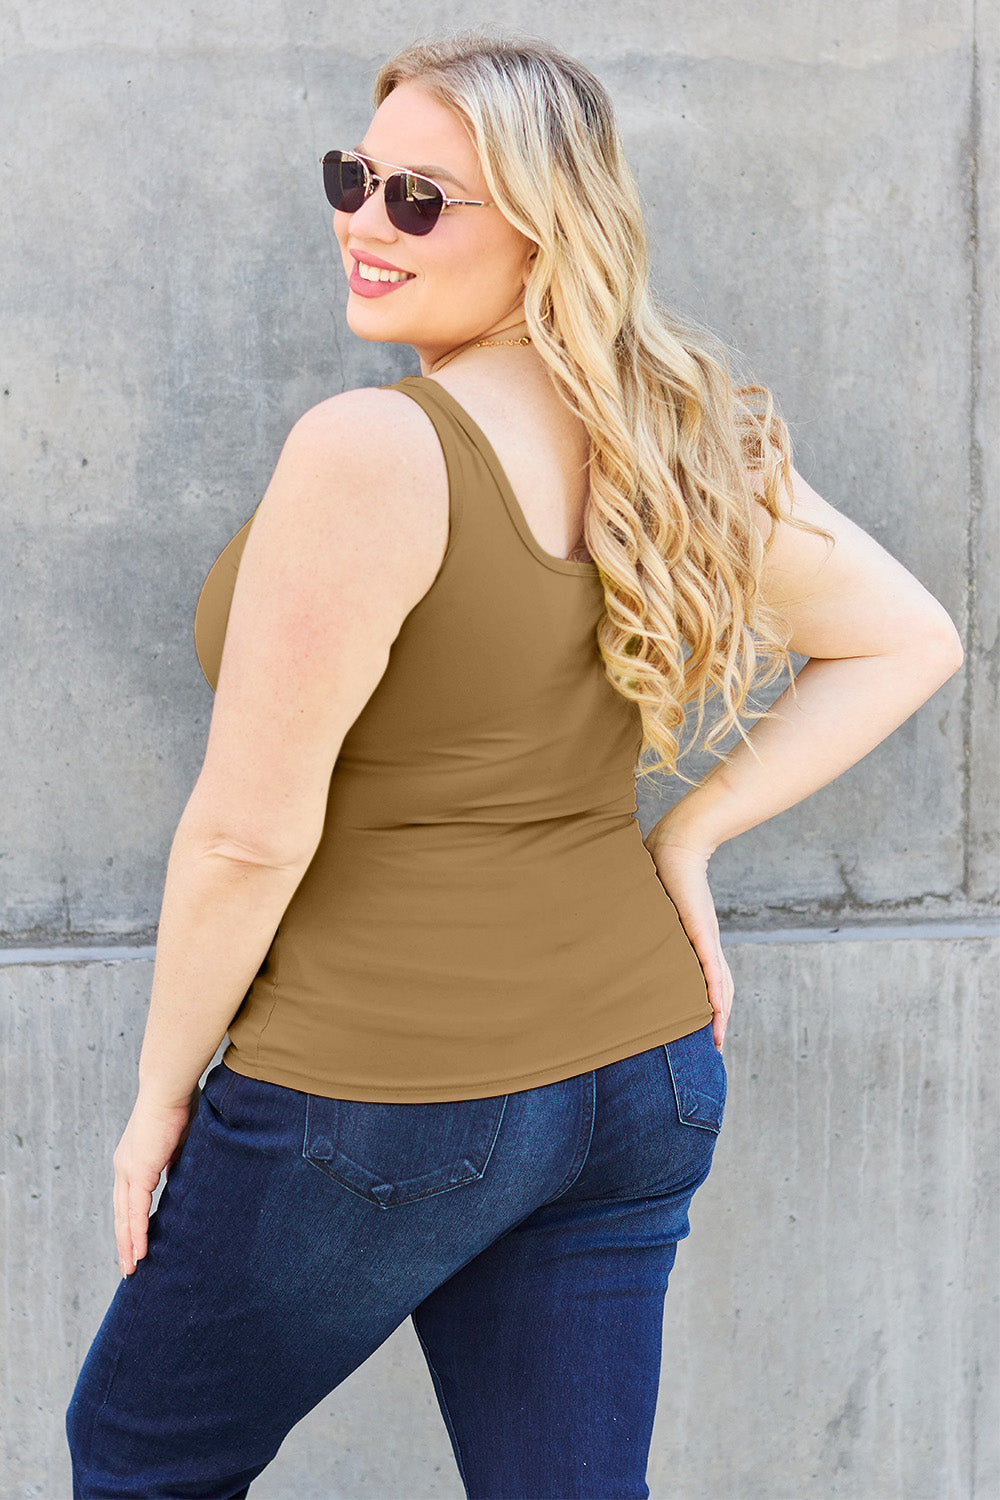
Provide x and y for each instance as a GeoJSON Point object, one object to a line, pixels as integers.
{"type": "Point", "coordinates": [879, 645]}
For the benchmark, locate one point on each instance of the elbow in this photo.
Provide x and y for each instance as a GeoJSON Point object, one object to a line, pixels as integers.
{"type": "Point", "coordinates": [215, 831]}
{"type": "Point", "coordinates": [268, 857]}
{"type": "Point", "coordinates": [941, 646]}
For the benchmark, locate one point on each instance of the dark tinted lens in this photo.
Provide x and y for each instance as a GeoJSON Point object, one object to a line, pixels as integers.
{"type": "Point", "coordinates": [344, 181]}
{"type": "Point", "coordinates": [412, 203]}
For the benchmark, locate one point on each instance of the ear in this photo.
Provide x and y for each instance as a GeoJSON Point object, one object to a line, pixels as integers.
{"type": "Point", "coordinates": [528, 265]}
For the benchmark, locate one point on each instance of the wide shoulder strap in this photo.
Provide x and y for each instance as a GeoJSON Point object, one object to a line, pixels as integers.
{"type": "Point", "coordinates": [480, 501]}
{"type": "Point", "coordinates": [443, 410]}
{"type": "Point", "coordinates": [496, 513]}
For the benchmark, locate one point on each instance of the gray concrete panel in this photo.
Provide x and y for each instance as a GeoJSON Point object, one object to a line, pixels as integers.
{"type": "Point", "coordinates": [821, 245]}
{"type": "Point", "coordinates": [809, 32]}
{"type": "Point", "coordinates": [831, 1327]}
{"type": "Point", "coordinates": [984, 538]}
{"type": "Point", "coordinates": [172, 302]}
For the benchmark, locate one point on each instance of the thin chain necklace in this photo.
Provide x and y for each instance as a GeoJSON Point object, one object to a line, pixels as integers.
{"type": "Point", "coordinates": [486, 343]}
{"type": "Point", "coordinates": [497, 343]}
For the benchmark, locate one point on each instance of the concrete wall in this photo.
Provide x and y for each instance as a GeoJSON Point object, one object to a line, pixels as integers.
{"type": "Point", "coordinates": [821, 189]}
{"type": "Point", "coordinates": [830, 1326]}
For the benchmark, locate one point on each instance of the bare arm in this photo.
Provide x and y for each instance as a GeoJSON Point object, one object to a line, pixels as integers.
{"type": "Point", "coordinates": [343, 545]}
{"type": "Point", "coordinates": [879, 645]}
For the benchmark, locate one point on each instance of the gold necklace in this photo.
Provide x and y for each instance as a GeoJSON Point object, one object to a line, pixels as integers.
{"type": "Point", "coordinates": [524, 340]}
{"type": "Point", "coordinates": [498, 343]}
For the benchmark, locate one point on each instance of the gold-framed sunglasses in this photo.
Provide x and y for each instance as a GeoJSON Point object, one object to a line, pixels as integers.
{"type": "Point", "coordinates": [413, 203]}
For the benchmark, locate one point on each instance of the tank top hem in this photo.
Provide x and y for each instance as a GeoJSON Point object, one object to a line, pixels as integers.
{"type": "Point", "coordinates": [332, 1088]}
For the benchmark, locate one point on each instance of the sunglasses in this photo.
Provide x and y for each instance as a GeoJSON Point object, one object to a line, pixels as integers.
{"type": "Point", "coordinates": [413, 203]}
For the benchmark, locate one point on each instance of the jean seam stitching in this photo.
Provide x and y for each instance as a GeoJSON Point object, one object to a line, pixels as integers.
{"type": "Point", "coordinates": [117, 1361]}
{"type": "Point", "coordinates": [443, 1400]}
{"type": "Point", "coordinates": [590, 1108]}
{"type": "Point", "coordinates": [220, 1107]}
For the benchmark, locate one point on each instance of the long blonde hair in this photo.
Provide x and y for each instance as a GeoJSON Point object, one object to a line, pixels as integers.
{"type": "Point", "coordinates": [670, 516]}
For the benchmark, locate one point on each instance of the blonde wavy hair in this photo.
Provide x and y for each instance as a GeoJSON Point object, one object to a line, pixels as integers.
{"type": "Point", "coordinates": [670, 516]}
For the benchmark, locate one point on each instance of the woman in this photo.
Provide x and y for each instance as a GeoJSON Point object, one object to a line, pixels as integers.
{"type": "Point", "coordinates": [474, 1072]}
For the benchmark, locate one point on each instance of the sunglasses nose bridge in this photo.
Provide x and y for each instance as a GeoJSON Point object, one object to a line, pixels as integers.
{"type": "Point", "coordinates": [372, 181]}
{"type": "Point", "coordinates": [374, 202]}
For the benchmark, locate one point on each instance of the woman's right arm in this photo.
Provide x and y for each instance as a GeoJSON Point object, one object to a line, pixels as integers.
{"type": "Point", "coordinates": [879, 645]}
{"type": "Point", "coordinates": [347, 539]}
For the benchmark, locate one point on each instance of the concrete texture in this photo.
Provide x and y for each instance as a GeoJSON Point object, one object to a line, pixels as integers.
{"type": "Point", "coordinates": [831, 1327]}
{"type": "Point", "coordinates": [821, 190]}
{"type": "Point", "coordinates": [172, 302]}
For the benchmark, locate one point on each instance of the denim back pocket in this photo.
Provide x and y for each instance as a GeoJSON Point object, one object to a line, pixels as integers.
{"type": "Point", "coordinates": [398, 1153]}
{"type": "Point", "coordinates": [698, 1074]}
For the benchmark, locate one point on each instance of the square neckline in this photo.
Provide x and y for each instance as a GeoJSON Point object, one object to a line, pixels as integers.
{"type": "Point", "coordinates": [579, 567]}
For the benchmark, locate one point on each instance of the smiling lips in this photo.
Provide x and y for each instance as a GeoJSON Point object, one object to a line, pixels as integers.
{"type": "Point", "coordinates": [374, 278]}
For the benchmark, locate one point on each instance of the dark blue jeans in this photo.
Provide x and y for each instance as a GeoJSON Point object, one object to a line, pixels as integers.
{"type": "Point", "coordinates": [529, 1236]}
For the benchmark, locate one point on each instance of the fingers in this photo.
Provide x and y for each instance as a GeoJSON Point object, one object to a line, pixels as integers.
{"type": "Point", "coordinates": [123, 1233]}
{"type": "Point", "coordinates": [140, 1203]}
{"type": "Point", "coordinates": [702, 929]}
{"type": "Point", "coordinates": [683, 874]}
{"type": "Point", "coordinates": [718, 978]}
{"type": "Point", "coordinates": [132, 1204]}
{"type": "Point", "coordinates": [718, 981]}
{"type": "Point", "coordinates": [721, 991]}
{"type": "Point", "coordinates": [151, 1141]}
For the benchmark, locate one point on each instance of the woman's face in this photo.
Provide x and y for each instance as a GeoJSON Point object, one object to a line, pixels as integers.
{"type": "Point", "coordinates": [467, 275]}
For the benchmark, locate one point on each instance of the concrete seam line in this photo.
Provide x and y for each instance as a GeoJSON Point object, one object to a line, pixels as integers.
{"type": "Point", "coordinates": [887, 933]}
{"type": "Point", "coordinates": [9, 956]}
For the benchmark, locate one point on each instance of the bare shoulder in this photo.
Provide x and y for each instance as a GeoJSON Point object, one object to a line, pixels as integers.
{"type": "Point", "coordinates": [345, 542]}
{"type": "Point", "coordinates": [369, 429]}
{"type": "Point", "coordinates": [367, 466]}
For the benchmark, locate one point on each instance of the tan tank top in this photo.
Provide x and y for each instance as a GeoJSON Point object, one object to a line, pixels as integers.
{"type": "Point", "coordinates": [481, 914]}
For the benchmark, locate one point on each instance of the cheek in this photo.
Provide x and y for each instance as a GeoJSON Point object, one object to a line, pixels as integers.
{"type": "Point", "coordinates": [475, 262]}
{"type": "Point", "coordinates": [500, 255]}
{"type": "Point", "coordinates": [495, 272]}
{"type": "Point", "coordinates": [341, 228]}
